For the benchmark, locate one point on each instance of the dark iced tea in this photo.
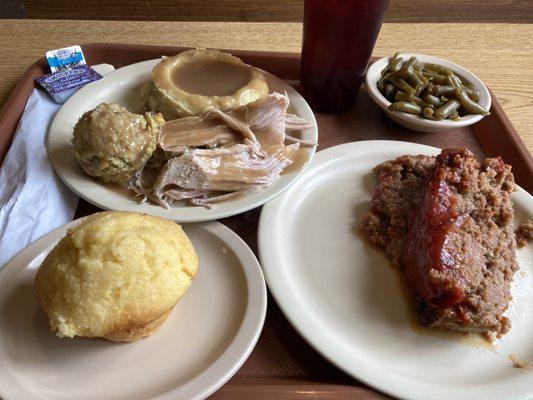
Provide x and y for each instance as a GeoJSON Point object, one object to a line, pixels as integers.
{"type": "Point", "coordinates": [338, 39]}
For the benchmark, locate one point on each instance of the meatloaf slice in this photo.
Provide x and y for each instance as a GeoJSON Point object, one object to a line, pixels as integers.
{"type": "Point", "coordinates": [398, 190]}
{"type": "Point", "coordinates": [446, 222]}
{"type": "Point", "coordinates": [459, 256]}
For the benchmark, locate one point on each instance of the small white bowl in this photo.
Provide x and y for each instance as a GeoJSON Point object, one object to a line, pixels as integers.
{"type": "Point", "coordinates": [416, 122]}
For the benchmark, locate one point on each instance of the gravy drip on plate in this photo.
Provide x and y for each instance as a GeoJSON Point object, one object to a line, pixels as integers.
{"type": "Point", "coordinates": [301, 159]}
{"type": "Point", "coordinates": [473, 339]}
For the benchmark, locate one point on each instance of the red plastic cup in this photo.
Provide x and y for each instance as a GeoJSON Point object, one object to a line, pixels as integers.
{"type": "Point", "coordinates": [338, 39]}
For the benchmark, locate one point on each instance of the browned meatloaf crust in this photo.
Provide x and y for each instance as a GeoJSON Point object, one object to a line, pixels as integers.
{"type": "Point", "coordinates": [524, 233]}
{"type": "Point", "coordinates": [447, 223]}
{"type": "Point", "coordinates": [398, 190]}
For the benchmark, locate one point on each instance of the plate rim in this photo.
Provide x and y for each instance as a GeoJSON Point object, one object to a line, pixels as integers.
{"type": "Point", "coordinates": [232, 357]}
{"type": "Point", "coordinates": [289, 308]}
{"type": "Point", "coordinates": [173, 212]}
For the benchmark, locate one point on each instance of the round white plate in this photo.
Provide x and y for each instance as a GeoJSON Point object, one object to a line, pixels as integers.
{"type": "Point", "coordinates": [345, 299]}
{"type": "Point", "coordinates": [208, 336]}
{"type": "Point", "coordinates": [123, 87]}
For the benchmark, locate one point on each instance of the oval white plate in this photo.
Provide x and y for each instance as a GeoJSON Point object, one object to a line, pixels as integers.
{"type": "Point", "coordinates": [206, 339]}
{"type": "Point", "coordinates": [123, 87]}
{"type": "Point", "coordinates": [345, 300]}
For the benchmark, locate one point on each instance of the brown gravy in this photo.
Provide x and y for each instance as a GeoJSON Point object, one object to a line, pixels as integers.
{"type": "Point", "coordinates": [470, 339]}
{"type": "Point", "coordinates": [300, 160]}
{"type": "Point", "coordinates": [118, 189]}
{"type": "Point", "coordinates": [211, 78]}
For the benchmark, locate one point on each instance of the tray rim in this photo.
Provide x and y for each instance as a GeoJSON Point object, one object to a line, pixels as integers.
{"type": "Point", "coordinates": [330, 387]}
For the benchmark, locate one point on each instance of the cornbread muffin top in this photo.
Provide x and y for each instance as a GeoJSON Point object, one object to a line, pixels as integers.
{"type": "Point", "coordinates": [115, 272]}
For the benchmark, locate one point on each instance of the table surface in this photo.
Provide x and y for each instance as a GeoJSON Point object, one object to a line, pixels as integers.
{"type": "Point", "coordinates": [500, 54]}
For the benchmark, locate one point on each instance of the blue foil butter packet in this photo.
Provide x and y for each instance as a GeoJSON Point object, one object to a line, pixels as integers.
{"type": "Point", "coordinates": [63, 84]}
{"type": "Point", "coordinates": [65, 58]}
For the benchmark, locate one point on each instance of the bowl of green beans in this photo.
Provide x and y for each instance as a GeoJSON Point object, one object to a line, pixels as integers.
{"type": "Point", "coordinates": [426, 93]}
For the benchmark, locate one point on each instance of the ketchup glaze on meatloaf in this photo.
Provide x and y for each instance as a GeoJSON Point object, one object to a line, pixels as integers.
{"type": "Point", "coordinates": [455, 244]}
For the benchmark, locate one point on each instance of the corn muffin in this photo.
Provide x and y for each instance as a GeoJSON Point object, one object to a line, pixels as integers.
{"type": "Point", "coordinates": [116, 275]}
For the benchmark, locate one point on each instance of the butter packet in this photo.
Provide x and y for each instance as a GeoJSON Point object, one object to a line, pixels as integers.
{"type": "Point", "coordinates": [65, 58]}
{"type": "Point", "coordinates": [63, 84]}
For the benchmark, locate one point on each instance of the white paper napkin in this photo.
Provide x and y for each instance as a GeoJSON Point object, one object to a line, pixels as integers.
{"type": "Point", "coordinates": [33, 200]}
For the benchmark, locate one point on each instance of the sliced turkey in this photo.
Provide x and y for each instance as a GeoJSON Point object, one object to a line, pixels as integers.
{"type": "Point", "coordinates": [263, 122]}
{"type": "Point", "coordinates": [221, 170]}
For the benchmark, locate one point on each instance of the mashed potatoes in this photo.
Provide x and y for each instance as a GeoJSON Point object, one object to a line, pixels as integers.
{"type": "Point", "coordinates": [198, 80]}
{"type": "Point", "coordinates": [117, 275]}
{"type": "Point", "coordinates": [113, 144]}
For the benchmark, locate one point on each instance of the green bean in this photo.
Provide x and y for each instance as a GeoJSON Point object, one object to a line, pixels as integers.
{"type": "Point", "coordinates": [438, 68]}
{"type": "Point", "coordinates": [387, 76]}
{"type": "Point", "coordinates": [387, 68]}
{"type": "Point", "coordinates": [389, 91]}
{"type": "Point", "coordinates": [464, 82]}
{"type": "Point", "coordinates": [402, 96]}
{"type": "Point", "coordinates": [417, 82]}
{"type": "Point", "coordinates": [406, 107]}
{"type": "Point", "coordinates": [421, 76]}
{"type": "Point", "coordinates": [454, 116]}
{"type": "Point", "coordinates": [468, 104]}
{"type": "Point", "coordinates": [402, 85]}
{"type": "Point", "coordinates": [453, 80]}
{"type": "Point", "coordinates": [444, 111]}
{"type": "Point", "coordinates": [381, 85]}
{"type": "Point", "coordinates": [405, 72]}
{"type": "Point", "coordinates": [434, 100]}
{"type": "Point", "coordinates": [431, 90]}
{"type": "Point", "coordinates": [472, 93]}
{"type": "Point", "coordinates": [396, 65]}
{"type": "Point", "coordinates": [409, 74]}
{"type": "Point", "coordinates": [412, 61]}
{"type": "Point", "coordinates": [427, 112]}
{"type": "Point", "coordinates": [449, 91]}
{"type": "Point", "coordinates": [441, 90]}
{"type": "Point", "coordinates": [434, 77]}
{"type": "Point", "coordinates": [384, 80]}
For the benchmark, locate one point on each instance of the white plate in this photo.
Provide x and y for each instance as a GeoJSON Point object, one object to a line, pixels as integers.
{"type": "Point", "coordinates": [417, 122]}
{"type": "Point", "coordinates": [208, 336]}
{"type": "Point", "coordinates": [345, 300]}
{"type": "Point", "coordinates": [123, 87]}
